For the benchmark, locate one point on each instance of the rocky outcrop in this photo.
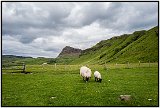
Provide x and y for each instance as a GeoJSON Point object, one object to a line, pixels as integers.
{"type": "Point", "coordinates": [69, 52]}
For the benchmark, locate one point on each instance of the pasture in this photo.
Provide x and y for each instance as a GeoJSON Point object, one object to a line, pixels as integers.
{"type": "Point", "coordinates": [63, 86]}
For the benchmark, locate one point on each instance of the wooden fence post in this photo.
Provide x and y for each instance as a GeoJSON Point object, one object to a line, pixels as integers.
{"type": "Point", "coordinates": [70, 67]}
{"type": "Point", "coordinates": [65, 67]}
{"type": "Point", "coordinates": [24, 67]}
{"type": "Point", "coordinates": [127, 64]}
{"type": "Point", "coordinates": [139, 63]}
{"type": "Point", "coordinates": [55, 66]}
{"type": "Point", "coordinates": [105, 65]}
{"type": "Point", "coordinates": [116, 65]}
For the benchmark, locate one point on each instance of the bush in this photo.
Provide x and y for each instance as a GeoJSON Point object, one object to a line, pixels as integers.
{"type": "Point", "coordinates": [51, 61]}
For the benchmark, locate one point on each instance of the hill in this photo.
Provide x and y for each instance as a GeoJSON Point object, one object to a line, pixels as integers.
{"type": "Point", "coordinates": [13, 59]}
{"type": "Point", "coordinates": [139, 46]}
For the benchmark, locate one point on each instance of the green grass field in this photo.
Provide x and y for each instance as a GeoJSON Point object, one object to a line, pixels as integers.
{"type": "Point", "coordinates": [63, 86]}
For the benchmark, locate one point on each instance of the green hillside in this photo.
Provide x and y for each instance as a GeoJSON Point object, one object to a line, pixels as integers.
{"type": "Point", "coordinates": [140, 46]}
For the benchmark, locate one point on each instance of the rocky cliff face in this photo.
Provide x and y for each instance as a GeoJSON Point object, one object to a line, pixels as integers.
{"type": "Point", "coordinates": [69, 52]}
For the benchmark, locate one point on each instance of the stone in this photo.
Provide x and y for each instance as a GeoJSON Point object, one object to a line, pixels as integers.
{"type": "Point", "coordinates": [125, 97]}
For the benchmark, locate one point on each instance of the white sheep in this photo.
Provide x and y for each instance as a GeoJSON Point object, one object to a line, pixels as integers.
{"type": "Point", "coordinates": [44, 64]}
{"type": "Point", "coordinates": [85, 72]}
{"type": "Point", "coordinates": [97, 76]}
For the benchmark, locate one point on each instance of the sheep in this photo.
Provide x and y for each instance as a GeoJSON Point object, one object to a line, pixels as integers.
{"type": "Point", "coordinates": [44, 64]}
{"type": "Point", "coordinates": [97, 76]}
{"type": "Point", "coordinates": [85, 72]}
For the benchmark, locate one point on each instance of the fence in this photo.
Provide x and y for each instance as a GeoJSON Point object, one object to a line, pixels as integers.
{"type": "Point", "coordinates": [14, 67]}
{"type": "Point", "coordinates": [71, 68]}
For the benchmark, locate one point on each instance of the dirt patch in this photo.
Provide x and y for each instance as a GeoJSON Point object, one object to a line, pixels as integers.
{"type": "Point", "coordinates": [26, 72]}
{"type": "Point", "coordinates": [17, 73]}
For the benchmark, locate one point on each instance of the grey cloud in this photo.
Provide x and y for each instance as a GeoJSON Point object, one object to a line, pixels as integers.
{"type": "Point", "coordinates": [59, 16]}
{"type": "Point", "coordinates": [89, 13]}
{"type": "Point", "coordinates": [13, 47]}
{"type": "Point", "coordinates": [26, 39]}
{"type": "Point", "coordinates": [131, 16]}
{"type": "Point", "coordinates": [46, 20]}
{"type": "Point", "coordinates": [52, 49]}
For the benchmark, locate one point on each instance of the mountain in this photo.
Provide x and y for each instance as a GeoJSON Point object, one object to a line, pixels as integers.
{"type": "Point", "coordinates": [139, 46]}
{"type": "Point", "coordinates": [69, 52]}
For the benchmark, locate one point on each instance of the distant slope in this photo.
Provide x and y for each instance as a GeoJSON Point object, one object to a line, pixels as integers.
{"type": "Point", "coordinates": [139, 46]}
{"type": "Point", "coordinates": [13, 59]}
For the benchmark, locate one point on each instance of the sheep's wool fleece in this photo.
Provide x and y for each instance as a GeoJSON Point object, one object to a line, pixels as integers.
{"type": "Point", "coordinates": [97, 74]}
{"type": "Point", "coordinates": [89, 72]}
{"type": "Point", "coordinates": [84, 71]}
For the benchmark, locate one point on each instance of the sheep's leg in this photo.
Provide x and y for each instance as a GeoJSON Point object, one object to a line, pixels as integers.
{"type": "Point", "coordinates": [87, 79]}
{"type": "Point", "coordinates": [95, 78]}
{"type": "Point", "coordinates": [83, 79]}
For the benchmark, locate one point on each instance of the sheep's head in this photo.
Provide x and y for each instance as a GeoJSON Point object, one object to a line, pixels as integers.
{"type": "Point", "coordinates": [87, 78]}
{"type": "Point", "coordinates": [100, 80]}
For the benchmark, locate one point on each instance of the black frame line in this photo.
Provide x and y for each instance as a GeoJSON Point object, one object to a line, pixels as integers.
{"type": "Point", "coordinates": [78, 1]}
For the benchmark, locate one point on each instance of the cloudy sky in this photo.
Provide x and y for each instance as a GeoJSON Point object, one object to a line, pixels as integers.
{"type": "Point", "coordinates": [42, 29]}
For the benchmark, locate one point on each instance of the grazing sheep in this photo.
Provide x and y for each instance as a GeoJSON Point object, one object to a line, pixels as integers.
{"type": "Point", "coordinates": [85, 72]}
{"type": "Point", "coordinates": [97, 76]}
{"type": "Point", "coordinates": [44, 64]}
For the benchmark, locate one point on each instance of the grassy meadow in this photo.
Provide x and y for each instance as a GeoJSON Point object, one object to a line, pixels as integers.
{"type": "Point", "coordinates": [61, 85]}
